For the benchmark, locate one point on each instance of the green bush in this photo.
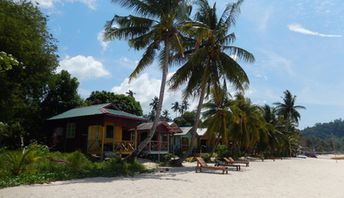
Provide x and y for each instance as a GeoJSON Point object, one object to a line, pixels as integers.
{"type": "Point", "coordinates": [78, 162]}
{"type": "Point", "coordinates": [222, 151]}
{"type": "Point", "coordinates": [206, 157]}
{"type": "Point", "coordinates": [36, 165]}
{"type": "Point", "coordinates": [118, 167]}
{"type": "Point", "coordinates": [18, 162]}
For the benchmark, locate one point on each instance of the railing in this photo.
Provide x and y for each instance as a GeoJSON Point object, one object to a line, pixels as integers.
{"type": "Point", "coordinates": [123, 147]}
{"type": "Point", "coordinates": [157, 146]}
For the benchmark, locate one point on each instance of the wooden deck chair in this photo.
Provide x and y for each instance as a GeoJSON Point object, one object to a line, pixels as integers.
{"type": "Point", "coordinates": [202, 165]}
{"type": "Point", "coordinates": [230, 160]}
{"type": "Point", "coordinates": [237, 166]}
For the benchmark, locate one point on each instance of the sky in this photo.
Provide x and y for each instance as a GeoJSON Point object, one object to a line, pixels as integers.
{"type": "Point", "coordinates": [298, 46]}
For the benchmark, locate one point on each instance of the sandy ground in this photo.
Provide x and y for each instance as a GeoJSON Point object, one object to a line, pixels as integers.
{"type": "Point", "coordinates": [308, 178]}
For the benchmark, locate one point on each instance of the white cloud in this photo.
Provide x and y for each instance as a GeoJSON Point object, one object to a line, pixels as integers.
{"type": "Point", "coordinates": [49, 4]}
{"type": "Point", "coordinates": [265, 18]}
{"type": "Point", "coordinates": [100, 38]}
{"type": "Point", "coordinates": [83, 67]}
{"type": "Point", "coordinates": [127, 63]}
{"type": "Point", "coordinates": [272, 60]}
{"type": "Point", "coordinates": [146, 88]}
{"type": "Point", "coordinates": [300, 29]}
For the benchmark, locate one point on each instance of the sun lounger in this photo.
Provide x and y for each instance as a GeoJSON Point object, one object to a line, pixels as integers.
{"type": "Point", "coordinates": [237, 166]}
{"type": "Point", "coordinates": [202, 165]}
{"type": "Point", "coordinates": [230, 160]}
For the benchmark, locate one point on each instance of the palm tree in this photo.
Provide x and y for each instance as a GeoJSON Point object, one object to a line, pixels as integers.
{"type": "Point", "coordinates": [217, 116]}
{"type": "Point", "coordinates": [166, 115]}
{"type": "Point", "coordinates": [211, 60]}
{"type": "Point", "coordinates": [154, 104]}
{"type": "Point", "coordinates": [248, 124]}
{"type": "Point", "coordinates": [175, 107]}
{"type": "Point", "coordinates": [184, 107]}
{"type": "Point", "coordinates": [156, 30]}
{"type": "Point", "coordinates": [130, 93]}
{"type": "Point", "coordinates": [288, 112]}
{"type": "Point", "coordinates": [287, 109]}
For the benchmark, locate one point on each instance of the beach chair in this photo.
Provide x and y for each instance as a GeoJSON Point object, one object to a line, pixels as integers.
{"type": "Point", "coordinates": [221, 163]}
{"type": "Point", "coordinates": [230, 160]}
{"type": "Point", "coordinates": [202, 165]}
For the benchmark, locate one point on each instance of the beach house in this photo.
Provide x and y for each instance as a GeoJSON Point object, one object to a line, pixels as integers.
{"type": "Point", "coordinates": [162, 141]}
{"type": "Point", "coordinates": [98, 130]}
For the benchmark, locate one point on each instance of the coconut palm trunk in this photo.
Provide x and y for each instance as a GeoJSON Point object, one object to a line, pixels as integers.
{"type": "Point", "coordinates": [151, 133]}
{"type": "Point", "coordinates": [195, 126]}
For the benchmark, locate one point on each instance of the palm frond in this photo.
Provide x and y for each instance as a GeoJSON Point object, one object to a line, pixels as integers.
{"type": "Point", "coordinates": [240, 54]}
{"type": "Point", "coordinates": [147, 58]}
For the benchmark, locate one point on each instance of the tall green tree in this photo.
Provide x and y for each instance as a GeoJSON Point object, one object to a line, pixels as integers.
{"type": "Point", "coordinates": [288, 109]}
{"type": "Point", "coordinates": [248, 125]}
{"type": "Point", "coordinates": [211, 61]}
{"type": "Point", "coordinates": [24, 35]}
{"type": "Point", "coordinates": [62, 94]}
{"type": "Point", "coordinates": [7, 62]}
{"type": "Point", "coordinates": [175, 107]}
{"type": "Point", "coordinates": [120, 101]}
{"type": "Point", "coordinates": [187, 119]}
{"type": "Point", "coordinates": [289, 118]}
{"type": "Point", "coordinates": [165, 115]}
{"type": "Point", "coordinates": [155, 29]}
{"type": "Point", "coordinates": [130, 93]}
{"type": "Point", "coordinates": [184, 107]}
{"type": "Point", "coordinates": [218, 115]}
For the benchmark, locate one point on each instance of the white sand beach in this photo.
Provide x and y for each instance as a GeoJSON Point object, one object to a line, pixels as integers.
{"type": "Point", "coordinates": [301, 178]}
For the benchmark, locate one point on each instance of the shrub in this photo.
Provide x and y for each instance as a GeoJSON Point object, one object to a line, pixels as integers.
{"type": "Point", "coordinates": [77, 162]}
{"type": "Point", "coordinates": [36, 165]}
{"type": "Point", "coordinates": [206, 156]}
{"type": "Point", "coordinates": [222, 151]}
{"type": "Point", "coordinates": [18, 162]}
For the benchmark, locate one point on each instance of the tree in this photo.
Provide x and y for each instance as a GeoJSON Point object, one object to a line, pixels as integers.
{"type": "Point", "coordinates": [175, 107]}
{"type": "Point", "coordinates": [7, 62]}
{"type": "Point", "coordinates": [121, 102]}
{"type": "Point", "coordinates": [248, 125]}
{"type": "Point", "coordinates": [165, 116]}
{"type": "Point", "coordinates": [184, 107]}
{"type": "Point", "coordinates": [156, 30]}
{"type": "Point", "coordinates": [186, 120]}
{"type": "Point", "coordinates": [211, 62]}
{"type": "Point", "coordinates": [217, 116]}
{"type": "Point", "coordinates": [289, 118]}
{"type": "Point", "coordinates": [24, 35]}
{"type": "Point", "coordinates": [62, 94]}
{"type": "Point", "coordinates": [154, 106]}
{"type": "Point", "coordinates": [130, 93]}
{"type": "Point", "coordinates": [287, 109]}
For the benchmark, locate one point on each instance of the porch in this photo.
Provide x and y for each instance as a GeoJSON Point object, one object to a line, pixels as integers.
{"type": "Point", "coordinates": [110, 140]}
{"type": "Point", "coordinates": [157, 147]}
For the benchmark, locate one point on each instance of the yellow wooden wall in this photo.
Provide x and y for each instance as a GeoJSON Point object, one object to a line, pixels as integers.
{"type": "Point", "coordinates": [95, 139]}
{"type": "Point", "coordinates": [117, 133]}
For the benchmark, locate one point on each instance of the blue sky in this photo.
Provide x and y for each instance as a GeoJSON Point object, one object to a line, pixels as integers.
{"type": "Point", "coordinates": [298, 45]}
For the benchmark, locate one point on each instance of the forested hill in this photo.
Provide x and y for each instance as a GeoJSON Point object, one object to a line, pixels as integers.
{"type": "Point", "coordinates": [326, 130]}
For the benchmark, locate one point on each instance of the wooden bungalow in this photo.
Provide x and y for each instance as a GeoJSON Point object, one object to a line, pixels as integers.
{"type": "Point", "coordinates": [162, 140]}
{"type": "Point", "coordinates": [203, 139]}
{"type": "Point", "coordinates": [182, 141]}
{"type": "Point", "coordinates": [98, 130]}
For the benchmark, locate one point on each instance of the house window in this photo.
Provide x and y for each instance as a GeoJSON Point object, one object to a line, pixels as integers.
{"type": "Point", "coordinates": [109, 131]}
{"type": "Point", "coordinates": [164, 138]}
{"type": "Point", "coordinates": [70, 132]}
